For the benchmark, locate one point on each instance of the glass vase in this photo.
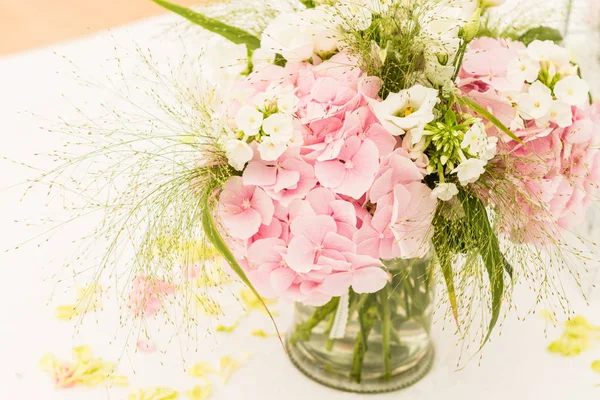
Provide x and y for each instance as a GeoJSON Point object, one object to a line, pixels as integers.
{"type": "Point", "coordinates": [386, 344]}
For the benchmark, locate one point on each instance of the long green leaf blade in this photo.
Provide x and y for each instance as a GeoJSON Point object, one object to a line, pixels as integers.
{"type": "Point", "coordinates": [442, 233]}
{"type": "Point", "coordinates": [231, 33]}
{"type": "Point", "coordinates": [213, 235]}
{"type": "Point", "coordinates": [488, 115]}
{"type": "Point", "coordinates": [489, 249]}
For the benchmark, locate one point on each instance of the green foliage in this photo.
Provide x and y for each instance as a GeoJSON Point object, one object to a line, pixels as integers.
{"type": "Point", "coordinates": [231, 33]}
{"type": "Point", "coordinates": [486, 244]}
{"type": "Point", "coordinates": [541, 33]}
{"type": "Point", "coordinates": [213, 235]}
{"type": "Point", "coordinates": [473, 106]}
{"type": "Point", "coordinates": [391, 49]}
{"type": "Point", "coordinates": [309, 3]}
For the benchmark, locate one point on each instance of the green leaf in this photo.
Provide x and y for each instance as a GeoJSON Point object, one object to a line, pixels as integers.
{"type": "Point", "coordinates": [442, 251]}
{"type": "Point", "coordinates": [309, 3]}
{"type": "Point", "coordinates": [231, 33]}
{"type": "Point", "coordinates": [213, 235]}
{"type": "Point", "coordinates": [489, 249]}
{"type": "Point", "coordinates": [487, 115]}
{"type": "Point", "coordinates": [541, 33]}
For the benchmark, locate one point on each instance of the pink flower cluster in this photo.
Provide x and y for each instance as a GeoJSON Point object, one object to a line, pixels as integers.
{"type": "Point", "coordinates": [320, 218]}
{"type": "Point", "coordinates": [557, 167]}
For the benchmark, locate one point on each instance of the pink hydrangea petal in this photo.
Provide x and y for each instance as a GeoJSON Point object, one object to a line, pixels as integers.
{"type": "Point", "coordinates": [320, 199]}
{"type": "Point", "coordinates": [242, 225]}
{"type": "Point", "coordinates": [263, 204]}
{"type": "Point", "coordinates": [315, 228]}
{"type": "Point", "coordinates": [330, 173]}
{"type": "Point", "coordinates": [337, 284]}
{"type": "Point", "coordinates": [301, 254]}
{"type": "Point", "coordinates": [338, 242]}
{"type": "Point", "coordinates": [286, 179]}
{"type": "Point", "coordinates": [262, 253]}
{"type": "Point", "coordinates": [259, 174]}
{"type": "Point", "coordinates": [343, 211]}
{"type": "Point", "coordinates": [282, 279]}
{"type": "Point", "coordinates": [369, 280]}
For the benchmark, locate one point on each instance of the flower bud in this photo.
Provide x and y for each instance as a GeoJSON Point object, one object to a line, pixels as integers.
{"type": "Point", "coordinates": [469, 31]}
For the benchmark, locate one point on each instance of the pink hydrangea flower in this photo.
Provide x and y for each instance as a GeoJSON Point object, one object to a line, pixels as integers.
{"type": "Point", "coordinates": [268, 269]}
{"type": "Point", "coordinates": [364, 276]}
{"type": "Point", "coordinates": [375, 237]}
{"type": "Point", "coordinates": [353, 172]}
{"type": "Point", "coordinates": [317, 246]}
{"type": "Point", "coordinates": [284, 180]}
{"type": "Point", "coordinates": [324, 202]}
{"type": "Point", "coordinates": [243, 209]}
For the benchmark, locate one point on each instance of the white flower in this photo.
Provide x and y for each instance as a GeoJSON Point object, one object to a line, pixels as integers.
{"type": "Point", "coordinates": [279, 127]}
{"type": "Point", "coordinates": [470, 170]}
{"type": "Point", "coordinates": [475, 138]}
{"type": "Point", "coordinates": [445, 18]}
{"type": "Point", "coordinates": [523, 69]}
{"type": "Point", "coordinates": [249, 120]}
{"type": "Point", "coordinates": [297, 36]}
{"type": "Point", "coordinates": [223, 61]}
{"type": "Point", "coordinates": [444, 191]}
{"type": "Point", "coordinates": [356, 16]}
{"type": "Point", "coordinates": [409, 110]}
{"type": "Point", "coordinates": [439, 60]}
{"type": "Point", "coordinates": [238, 153]}
{"type": "Point", "coordinates": [262, 57]}
{"type": "Point", "coordinates": [536, 103]}
{"type": "Point", "coordinates": [547, 50]}
{"type": "Point", "coordinates": [287, 102]}
{"type": "Point", "coordinates": [572, 90]}
{"type": "Point", "coordinates": [560, 113]}
{"type": "Point", "coordinates": [489, 150]}
{"type": "Point", "coordinates": [270, 149]}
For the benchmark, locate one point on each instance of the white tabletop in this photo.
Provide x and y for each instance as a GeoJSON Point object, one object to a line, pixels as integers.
{"type": "Point", "coordinates": [515, 365]}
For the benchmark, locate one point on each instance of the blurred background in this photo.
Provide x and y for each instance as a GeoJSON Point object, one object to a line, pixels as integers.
{"type": "Point", "coordinates": [34, 23]}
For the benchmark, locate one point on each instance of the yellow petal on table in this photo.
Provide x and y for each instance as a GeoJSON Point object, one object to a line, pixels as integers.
{"type": "Point", "coordinates": [262, 334]}
{"type": "Point", "coordinates": [596, 366]}
{"type": "Point", "coordinates": [229, 365]}
{"type": "Point", "coordinates": [89, 298]}
{"type": "Point", "coordinates": [201, 369]}
{"type": "Point", "coordinates": [227, 329]}
{"type": "Point", "coordinates": [84, 370]}
{"type": "Point", "coordinates": [251, 302]}
{"type": "Point", "coordinates": [200, 392]}
{"type": "Point", "coordinates": [579, 336]}
{"type": "Point", "coordinates": [154, 393]}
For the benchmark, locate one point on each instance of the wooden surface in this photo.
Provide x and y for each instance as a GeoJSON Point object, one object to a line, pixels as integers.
{"type": "Point", "coordinates": [26, 24]}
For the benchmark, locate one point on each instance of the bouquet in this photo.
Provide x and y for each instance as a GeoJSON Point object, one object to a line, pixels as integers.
{"type": "Point", "coordinates": [345, 154]}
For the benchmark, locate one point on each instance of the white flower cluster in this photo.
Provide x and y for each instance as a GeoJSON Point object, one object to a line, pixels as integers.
{"type": "Point", "coordinates": [554, 84]}
{"type": "Point", "coordinates": [269, 123]}
{"type": "Point", "coordinates": [481, 148]}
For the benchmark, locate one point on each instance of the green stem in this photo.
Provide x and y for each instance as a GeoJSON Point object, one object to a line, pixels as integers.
{"type": "Point", "coordinates": [366, 321]}
{"type": "Point", "coordinates": [386, 329]}
{"type": "Point", "coordinates": [304, 330]}
{"type": "Point", "coordinates": [329, 342]}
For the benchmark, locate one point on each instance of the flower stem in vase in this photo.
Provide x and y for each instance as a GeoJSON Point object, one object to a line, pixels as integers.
{"type": "Point", "coordinates": [304, 330]}
{"type": "Point", "coordinates": [366, 320]}
{"type": "Point", "coordinates": [386, 329]}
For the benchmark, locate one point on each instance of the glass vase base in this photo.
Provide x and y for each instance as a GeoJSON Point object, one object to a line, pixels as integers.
{"type": "Point", "coordinates": [311, 368]}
